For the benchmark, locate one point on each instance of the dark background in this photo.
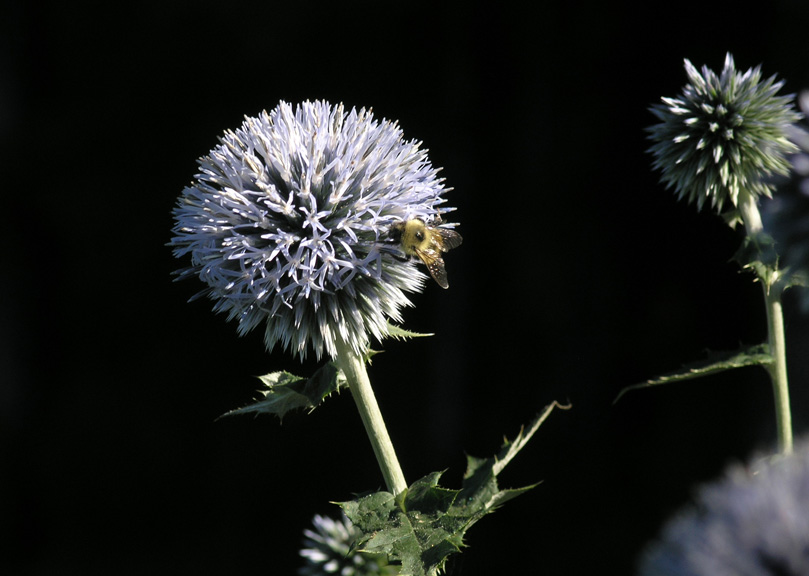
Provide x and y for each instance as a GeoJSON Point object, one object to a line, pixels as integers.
{"type": "Point", "coordinates": [579, 274]}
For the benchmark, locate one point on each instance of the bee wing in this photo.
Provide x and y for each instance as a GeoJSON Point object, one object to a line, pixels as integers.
{"type": "Point", "coordinates": [451, 239]}
{"type": "Point", "coordinates": [435, 264]}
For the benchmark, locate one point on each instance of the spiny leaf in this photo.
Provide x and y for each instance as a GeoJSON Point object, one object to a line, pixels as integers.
{"type": "Point", "coordinates": [757, 253]}
{"type": "Point", "coordinates": [428, 522]}
{"type": "Point", "coordinates": [758, 355]}
{"type": "Point", "coordinates": [481, 472]}
{"type": "Point", "coordinates": [286, 392]}
{"type": "Point", "coordinates": [369, 355]}
{"type": "Point", "coordinates": [421, 538]}
{"type": "Point", "coordinates": [398, 333]}
{"type": "Point", "coordinates": [795, 278]}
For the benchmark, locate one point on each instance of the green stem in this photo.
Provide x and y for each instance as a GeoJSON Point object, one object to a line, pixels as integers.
{"type": "Point", "coordinates": [353, 366]}
{"type": "Point", "coordinates": [778, 371]}
{"type": "Point", "coordinates": [775, 335]}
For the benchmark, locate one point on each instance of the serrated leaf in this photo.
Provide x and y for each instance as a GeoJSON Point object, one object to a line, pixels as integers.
{"type": "Point", "coordinates": [369, 355]}
{"type": "Point", "coordinates": [398, 333]}
{"type": "Point", "coordinates": [421, 538]}
{"type": "Point", "coordinates": [792, 277]}
{"type": "Point", "coordinates": [429, 522]}
{"type": "Point", "coordinates": [285, 392]}
{"type": "Point", "coordinates": [758, 355]}
{"type": "Point", "coordinates": [757, 253]}
{"type": "Point", "coordinates": [480, 486]}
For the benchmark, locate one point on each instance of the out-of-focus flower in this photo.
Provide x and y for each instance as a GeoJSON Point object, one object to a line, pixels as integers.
{"type": "Point", "coordinates": [287, 221]}
{"type": "Point", "coordinates": [328, 550]}
{"type": "Point", "coordinates": [724, 134]}
{"type": "Point", "coordinates": [753, 523]}
{"type": "Point", "coordinates": [786, 215]}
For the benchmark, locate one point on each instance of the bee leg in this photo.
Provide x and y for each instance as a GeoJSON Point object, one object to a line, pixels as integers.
{"type": "Point", "coordinates": [396, 252]}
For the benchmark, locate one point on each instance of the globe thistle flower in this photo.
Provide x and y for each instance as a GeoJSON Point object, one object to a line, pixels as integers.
{"type": "Point", "coordinates": [753, 523]}
{"type": "Point", "coordinates": [328, 549]}
{"type": "Point", "coordinates": [287, 223]}
{"type": "Point", "coordinates": [723, 135]}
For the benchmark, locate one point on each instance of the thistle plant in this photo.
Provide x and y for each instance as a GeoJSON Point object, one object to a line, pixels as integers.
{"type": "Point", "coordinates": [727, 142]}
{"type": "Point", "coordinates": [293, 223]}
{"type": "Point", "coordinates": [286, 224]}
{"type": "Point", "coordinates": [721, 143]}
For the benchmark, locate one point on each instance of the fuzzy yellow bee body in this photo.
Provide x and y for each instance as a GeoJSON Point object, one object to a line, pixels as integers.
{"type": "Point", "coordinates": [427, 243]}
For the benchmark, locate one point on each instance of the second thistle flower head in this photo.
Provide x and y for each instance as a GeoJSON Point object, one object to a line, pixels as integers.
{"type": "Point", "coordinates": [287, 221]}
{"type": "Point", "coordinates": [724, 134]}
{"type": "Point", "coordinates": [329, 549]}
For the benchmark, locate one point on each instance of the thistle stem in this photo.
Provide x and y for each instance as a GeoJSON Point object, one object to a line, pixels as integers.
{"type": "Point", "coordinates": [353, 366]}
{"type": "Point", "coordinates": [775, 334]}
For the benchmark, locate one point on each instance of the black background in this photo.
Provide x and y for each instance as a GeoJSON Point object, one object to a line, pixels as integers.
{"type": "Point", "coordinates": [579, 274]}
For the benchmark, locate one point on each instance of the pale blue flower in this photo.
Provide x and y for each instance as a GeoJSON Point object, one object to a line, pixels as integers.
{"type": "Point", "coordinates": [725, 133]}
{"type": "Point", "coordinates": [288, 224]}
{"type": "Point", "coordinates": [753, 523]}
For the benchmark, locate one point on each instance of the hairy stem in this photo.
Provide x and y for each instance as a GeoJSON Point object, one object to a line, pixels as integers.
{"type": "Point", "coordinates": [353, 366]}
{"type": "Point", "coordinates": [775, 335]}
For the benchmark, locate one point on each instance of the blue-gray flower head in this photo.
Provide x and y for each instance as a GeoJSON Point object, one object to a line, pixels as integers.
{"type": "Point", "coordinates": [753, 523]}
{"type": "Point", "coordinates": [724, 134]}
{"type": "Point", "coordinates": [287, 221]}
{"type": "Point", "coordinates": [328, 549]}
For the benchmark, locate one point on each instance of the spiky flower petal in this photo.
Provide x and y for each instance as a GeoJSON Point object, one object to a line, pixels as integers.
{"type": "Point", "coordinates": [287, 221]}
{"type": "Point", "coordinates": [755, 522]}
{"type": "Point", "coordinates": [328, 549]}
{"type": "Point", "coordinates": [724, 134]}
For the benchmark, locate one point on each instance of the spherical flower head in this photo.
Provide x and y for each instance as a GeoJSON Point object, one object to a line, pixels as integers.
{"type": "Point", "coordinates": [723, 135]}
{"type": "Point", "coordinates": [755, 522]}
{"type": "Point", "coordinates": [288, 224]}
{"type": "Point", "coordinates": [328, 549]}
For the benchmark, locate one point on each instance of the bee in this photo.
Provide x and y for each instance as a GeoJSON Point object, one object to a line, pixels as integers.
{"type": "Point", "coordinates": [416, 238]}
